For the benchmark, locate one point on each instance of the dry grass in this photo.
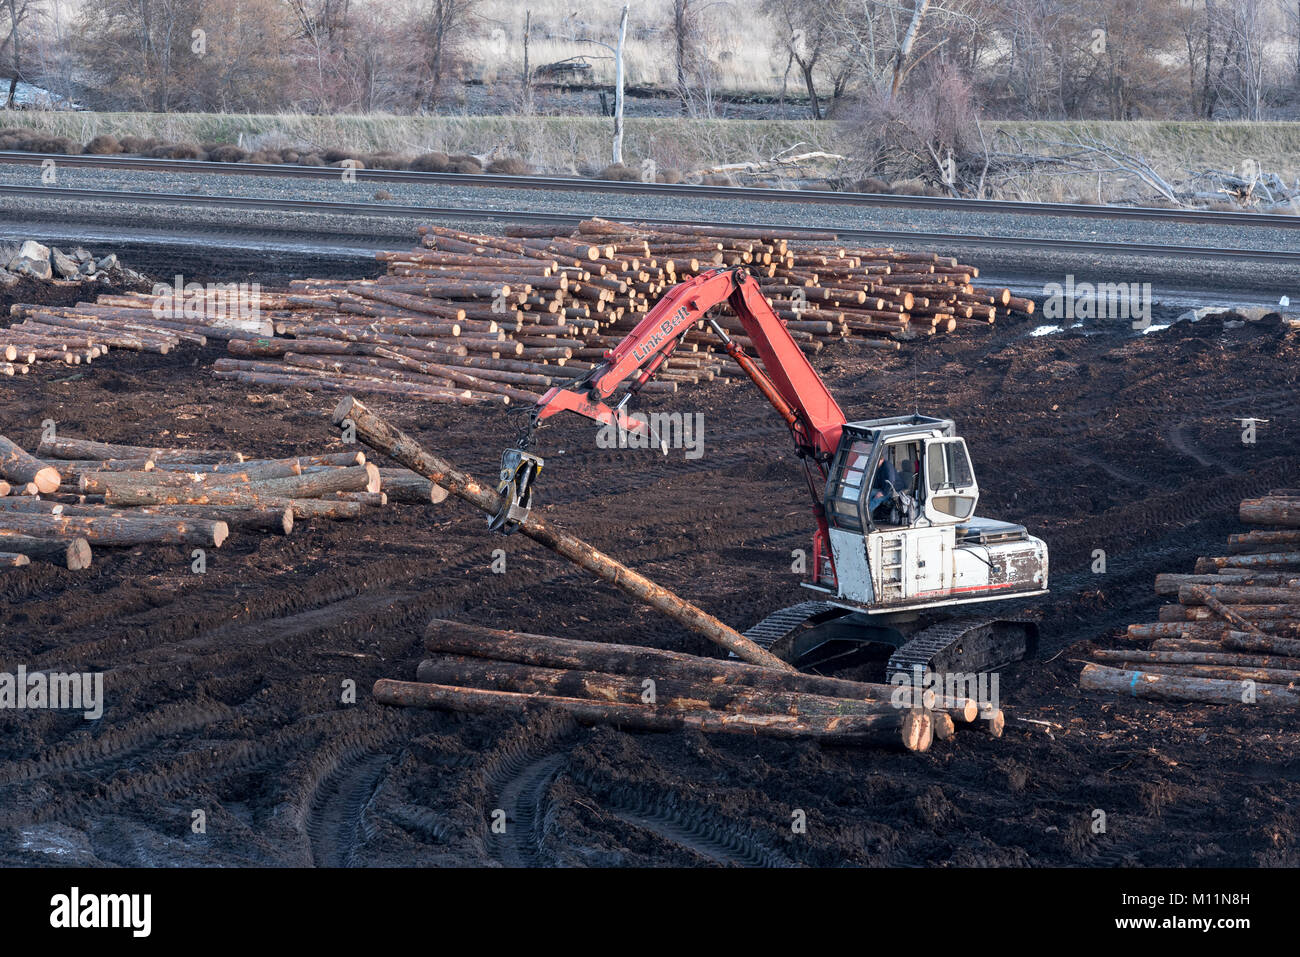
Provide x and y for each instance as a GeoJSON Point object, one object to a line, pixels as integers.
{"type": "Point", "coordinates": [581, 145]}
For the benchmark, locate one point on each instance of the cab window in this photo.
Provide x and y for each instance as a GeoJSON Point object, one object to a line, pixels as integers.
{"type": "Point", "coordinates": [950, 480]}
{"type": "Point", "coordinates": [847, 490]}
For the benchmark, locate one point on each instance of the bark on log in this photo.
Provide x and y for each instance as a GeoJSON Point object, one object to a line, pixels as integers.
{"type": "Point", "coordinates": [1166, 687]}
{"type": "Point", "coordinates": [116, 531]}
{"type": "Point", "coordinates": [1271, 511]}
{"type": "Point", "coordinates": [675, 693]}
{"type": "Point", "coordinates": [461, 638]}
{"type": "Point", "coordinates": [13, 560]}
{"type": "Point", "coordinates": [916, 727]}
{"type": "Point", "coordinates": [403, 485]}
{"type": "Point", "coordinates": [65, 448]}
{"type": "Point", "coordinates": [70, 553]}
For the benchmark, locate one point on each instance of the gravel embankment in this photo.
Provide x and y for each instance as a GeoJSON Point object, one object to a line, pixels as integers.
{"type": "Point", "coordinates": [337, 235]}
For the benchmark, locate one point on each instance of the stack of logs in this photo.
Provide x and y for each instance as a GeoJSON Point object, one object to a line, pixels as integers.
{"type": "Point", "coordinates": [74, 493]}
{"type": "Point", "coordinates": [139, 322]}
{"type": "Point", "coordinates": [479, 670]}
{"type": "Point", "coordinates": [473, 318]}
{"type": "Point", "coordinates": [1234, 635]}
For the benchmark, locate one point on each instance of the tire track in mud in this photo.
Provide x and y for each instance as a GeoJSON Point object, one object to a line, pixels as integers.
{"type": "Point", "coordinates": [699, 829]}
{"type": "Point", "coordinates": [337, 822]}
{"type": "Point", "coordinates": [515, 778]}
{"type": "Point", "coordinates": [526, 805]}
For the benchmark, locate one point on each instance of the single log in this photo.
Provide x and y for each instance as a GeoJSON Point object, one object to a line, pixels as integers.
{"type": "Point", "coordinates": [1258, 614]}
{"type": "Point", "coordinates": [65, 448]}
{"type": "Point", "coordinates": [1217, 657]}
{"type": "Point", "coordinates": [403, 485]}
{"type": "Point", "coordinates": [1168, 584]}
{"type": "Point", "coordinates": [13, 560]}
{"type": "Point", "coordinates": [17, 466]}
{"type": "Point", "coordinates": [1270, 645]}
{"type": "Point", "coordinates": [1273, 676]}
{"type": "Point", "coordinates": [1234, 594]}
{"type": "Point", "coordinates": [1253, 541]}
{"type": "Point", "coordinates": [915, 726]}
{"type": "Point", "coordinates": [72, 553]}
{"type": "Point", "coordinates": [1167, 687]}
{"type": "Point", "coordinates": [311, 484]}
{"type": "Point", "coordinates": [270, 518]}
{"type": "Point", "coordinates": [382, 437]}
{"type": "Point", "coordinates": [1260, 560]}
{"type": "Point", "coordinates": [116, 531]}
{"type": "Point", "coordinates": [1271, 511]}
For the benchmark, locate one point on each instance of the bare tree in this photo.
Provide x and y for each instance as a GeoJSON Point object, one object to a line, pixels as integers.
{"type": "Point", "coordinates": [444, 26]}
{"type": "Point", "coordinates": [806, 31]}
{"type": "Point", "coordinates": [616, 52]}
{"type": "Point", "coordinates": [21, 13]}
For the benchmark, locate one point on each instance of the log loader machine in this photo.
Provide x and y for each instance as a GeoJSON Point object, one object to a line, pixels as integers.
{"type": "Point", "coordinates": [897, 549]}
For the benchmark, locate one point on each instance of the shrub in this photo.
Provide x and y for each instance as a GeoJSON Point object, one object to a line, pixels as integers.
{"type": "Point", "coordinates": [871, 185]}
{"type": "Point", "coordinates": [138, 144]}
{"type": "Point", "coordinates": [227, 154]}
{"type": "Point", "coordinates": [431, 162]}
{"type": "Point", "coordinates": [717, 179]}
{"type": "Point", "coordinates": [620, 172]}
{"type": "Point", "coordinates": [177, 151]}
{"type": "Point", "coordinates": [103, 145]}
{"type": "Point", "coordinates": [311, 159]}
{"type": "Point", "coordinates": [463, 160]}
{"type": "Point", "coordinates": [385, 160]}
{"type": "Point", "coordinates": [669, 176]}
{"type": "Point", "coordinates": [334, 156]}
{"type": "Point", "coordinates": [509, 166]}
{"type": "Point", "coordinates": [49, 144]}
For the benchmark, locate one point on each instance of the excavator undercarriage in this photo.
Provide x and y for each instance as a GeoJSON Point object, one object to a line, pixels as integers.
{"type": "Point", "coordinates": [820, 636]}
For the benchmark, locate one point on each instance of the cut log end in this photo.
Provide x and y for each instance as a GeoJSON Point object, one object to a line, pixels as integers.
{"type": "Point", "coordinates": [917, 730]}
{"type": "Point", "coordinates": [47, 480]}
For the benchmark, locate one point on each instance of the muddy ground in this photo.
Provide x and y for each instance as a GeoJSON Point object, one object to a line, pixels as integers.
{"type": "Point", "coordinates": [224, 689]}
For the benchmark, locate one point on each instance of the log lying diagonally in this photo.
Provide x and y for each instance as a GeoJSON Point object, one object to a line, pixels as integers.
{"type": "Point", "coordinates": [384, 438]}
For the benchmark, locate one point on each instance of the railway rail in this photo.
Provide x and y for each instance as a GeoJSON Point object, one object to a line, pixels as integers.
{"type": "Point", "coordinates": [683, 190]}
{"type": "Point", "coordinates": [947, 240]}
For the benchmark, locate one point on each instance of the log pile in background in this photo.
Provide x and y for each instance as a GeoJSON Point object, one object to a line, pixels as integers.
{"type": "Point", "coordinates": [473, 318]}
{"type": "Point", "coordinates": [1233, 635]}
{"type": "Point", "coordinates": [72, 494]}
{"type": "Point", "coordinates": [139, 322]}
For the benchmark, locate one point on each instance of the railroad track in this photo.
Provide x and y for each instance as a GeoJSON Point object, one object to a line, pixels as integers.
{"type": "Point", "coordinates": [681, 190]}
{"type": "Point", "coordinates": [945, 240]}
